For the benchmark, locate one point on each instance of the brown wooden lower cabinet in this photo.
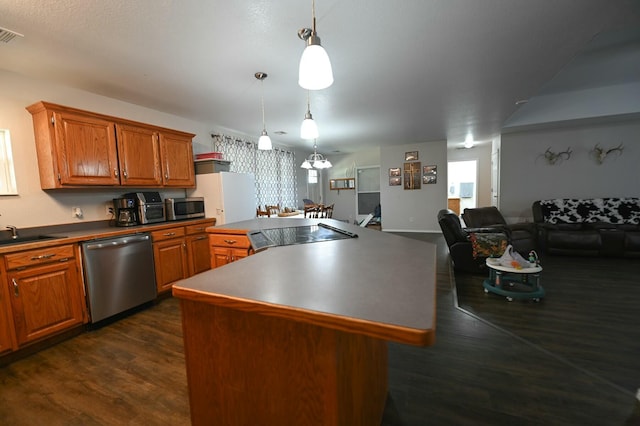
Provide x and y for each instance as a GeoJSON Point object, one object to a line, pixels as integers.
{"type": "Point", "coordinates": [247, 368]}
{"type": "Point", "coordinates": [180, 252]}
{"type": "Point", "coordinates": [45, 292]}
{"type": "Point", "coordinates": [170, 259]}
{"type": "Point", "coordinates": [198, 251]}
{"type": "Point", "coordinates": [42, 290]}
{"type": "Point", "coordinates": [227, 247]}
{"type": "Point", "coordinates": [7, 329]}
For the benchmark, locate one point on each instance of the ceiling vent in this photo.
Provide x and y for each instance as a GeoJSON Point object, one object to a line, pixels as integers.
{"type": "Point", "coordinates": [7, 35]}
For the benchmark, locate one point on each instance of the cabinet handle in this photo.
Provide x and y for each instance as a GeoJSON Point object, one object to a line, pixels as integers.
{"type": "Point", "coordinates": [15, 287]}
{"type": "Point", "coordinates": [203, 237]}
{"type": "Point", "coordinates": [169, 234]}
{"type": "Point", "coordinates": [124, 173]}
{"type": "Point", "coordinates": [166, 175]}
{"type": "Point", "coordinates": [43, 256]}
{"type": "Point", "coordinates": [230, 241]}
{"type": "Point", "coordinates": [116, 173]}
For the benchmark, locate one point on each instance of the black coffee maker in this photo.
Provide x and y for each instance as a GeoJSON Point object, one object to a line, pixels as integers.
{"type": "Point", "coordinates": [125, 211]}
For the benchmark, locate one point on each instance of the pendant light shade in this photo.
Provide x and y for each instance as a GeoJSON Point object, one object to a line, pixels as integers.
{"type": "Point", "coordinates": [264, 142]}
{"type": "Point", "coordinates": [315, 72]}
{"type": "Point", "coordinates": [309, 128]}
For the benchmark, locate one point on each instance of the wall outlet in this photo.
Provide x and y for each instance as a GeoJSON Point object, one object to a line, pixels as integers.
{"type": "Point", "coordinates": [76, 212]}
{"type": "Point", "coordinates": [108, 209]}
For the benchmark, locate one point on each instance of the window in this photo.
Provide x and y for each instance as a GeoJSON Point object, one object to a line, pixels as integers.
{"type": "Point", "coordinates": [313, 176]}
{"type": "Point", "coordinates": [274, 170]}
{"type": "Point", "coordinates": [7, 174]}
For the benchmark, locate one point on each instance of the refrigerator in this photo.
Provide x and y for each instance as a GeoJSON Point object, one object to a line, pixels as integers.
{"type": "Point", "coordinates": [228, 197]}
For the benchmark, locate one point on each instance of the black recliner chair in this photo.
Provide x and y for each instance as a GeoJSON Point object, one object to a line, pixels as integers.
{"type": "Point", "coordinates": [522, 236]}
{"type": "Point", "coordinates": [459, 242]}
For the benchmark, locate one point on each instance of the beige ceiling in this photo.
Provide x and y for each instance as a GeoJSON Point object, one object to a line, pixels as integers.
{"type": "Point", "coordinates": [406, 71]}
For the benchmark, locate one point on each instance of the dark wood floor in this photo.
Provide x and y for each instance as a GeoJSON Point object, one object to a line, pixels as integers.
{"type": "Point", "coordinates": [493, 363]}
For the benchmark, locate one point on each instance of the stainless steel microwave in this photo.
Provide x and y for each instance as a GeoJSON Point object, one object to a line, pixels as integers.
{"type": "Point", "coordinates": [184, 208]}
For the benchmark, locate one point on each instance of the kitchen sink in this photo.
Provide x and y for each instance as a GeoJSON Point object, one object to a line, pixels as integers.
{"type": "Point", "coordinates": [25, 239]}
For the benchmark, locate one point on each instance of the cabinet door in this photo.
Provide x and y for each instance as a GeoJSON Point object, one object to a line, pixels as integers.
{"type": "Point", "coordinates": [45, 300]}
{"type": "Point", "coordinates": [139, 156]}
{"type": "Point", "coordinates": [7, 335]}
{"type": "Point", "coordinates": [198, 253]}
{"type": "Point", "coordinates": [177, 161]}
{"type": "Point", "coordinates": [170, 259]}
{"type": "Point", "coordinates": [86, 150]}
{"type": "Point", "coordinates": [238, 254]}
{"type": "Point", "coordinates": [220, 256]}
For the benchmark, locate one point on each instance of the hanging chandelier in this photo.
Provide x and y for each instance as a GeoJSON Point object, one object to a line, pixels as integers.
{"type": "Point", "coordinates": [315, 160]}
{"type": "Point", "coordinates": [309, 128]}
{"type": "Point", "coordinates": [264, 142]}
{"type": "Point", "coordinates": [315, 71]}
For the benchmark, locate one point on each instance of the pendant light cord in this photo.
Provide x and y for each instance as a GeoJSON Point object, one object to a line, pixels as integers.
{"type": "Point", "coordinates": [264, 127]}
{"type": "Point", "coordinates": [313, 15]}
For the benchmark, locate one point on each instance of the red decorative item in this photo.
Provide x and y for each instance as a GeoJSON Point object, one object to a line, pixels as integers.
{"type": "Point", "coordinates": [209, 156]}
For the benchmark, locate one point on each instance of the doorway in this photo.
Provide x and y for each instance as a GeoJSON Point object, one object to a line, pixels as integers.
{"type": "Point", "coordinates": [462, 184]}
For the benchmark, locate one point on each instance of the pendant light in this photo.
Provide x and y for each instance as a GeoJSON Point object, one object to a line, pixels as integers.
{"type": "Point", "coordinates": [316, 160]}
{"type": "Point", "coordinates": [264, 142]}
{"type": "Point", "coordinates": [309, 128]}
{"type": "Point", "coordinates": [315, 71]}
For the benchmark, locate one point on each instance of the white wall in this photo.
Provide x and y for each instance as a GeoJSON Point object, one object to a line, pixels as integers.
{"type": "Point", "coordinates": [413, 210]}
{"type": "Point", "coordinates": [35, 207]}
{"type": "Point", "coordinates": [526, 176]}
{"type": "Point", "coordinates": [344, 166]}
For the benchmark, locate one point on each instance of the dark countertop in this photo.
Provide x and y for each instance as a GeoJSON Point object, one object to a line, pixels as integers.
{"type": "Point", "coordinates": [378, 284]}
{"type": "Point", "coordinates": [94, 231]}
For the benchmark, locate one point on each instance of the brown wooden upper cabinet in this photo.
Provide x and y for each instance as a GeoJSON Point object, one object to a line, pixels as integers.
{"type": "Point", "coordinates": [78, 148]}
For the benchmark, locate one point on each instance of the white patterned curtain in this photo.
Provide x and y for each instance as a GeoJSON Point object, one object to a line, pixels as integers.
{"type": "Point", "coordinates": [275, 170]}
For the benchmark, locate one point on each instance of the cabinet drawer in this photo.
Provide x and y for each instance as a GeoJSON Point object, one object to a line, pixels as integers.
{"type": "Point", "coordinates": [199, 228]}
{"type": "Point", "coordinates": [165, 234]}
{"type": "Point", "coordinates": [229, 240]}
{"type": "Point", "coordinates": [40, 256]}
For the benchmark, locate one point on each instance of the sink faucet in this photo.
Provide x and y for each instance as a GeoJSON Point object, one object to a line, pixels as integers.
{"type": "Point", "coordinates": [14, 231]}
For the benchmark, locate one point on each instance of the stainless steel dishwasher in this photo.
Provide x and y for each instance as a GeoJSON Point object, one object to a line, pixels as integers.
{"type": "Point", "coordinates": [119, 274]}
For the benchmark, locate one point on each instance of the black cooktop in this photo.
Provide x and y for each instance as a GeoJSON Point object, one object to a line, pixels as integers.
{"type": "Point", "coordinates": [296, 235]}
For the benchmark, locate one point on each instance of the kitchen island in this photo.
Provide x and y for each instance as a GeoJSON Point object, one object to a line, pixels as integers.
{"type": "Point", "coordinates": [297, 334]}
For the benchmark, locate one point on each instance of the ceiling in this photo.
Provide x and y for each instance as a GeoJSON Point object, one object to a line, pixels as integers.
{"type": "Point", "coordinates": [405, 71]}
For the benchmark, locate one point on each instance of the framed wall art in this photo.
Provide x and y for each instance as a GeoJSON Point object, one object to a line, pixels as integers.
{"type": "Point", "coordinates": [429, 174]}
{"type": "Point", "coordinates": [394, 171]}
{"type": "Point", "coordinates": [412, 175]}
{"type": "Point", "coordinates": [395, 180]}
{"type": "Point", "coordinates": [411, 156]}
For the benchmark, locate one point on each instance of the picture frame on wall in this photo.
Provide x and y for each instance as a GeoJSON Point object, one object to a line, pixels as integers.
{"type": "Point", "coordinates": [394, 171]}
{"type": "Point", "coordinates": [430, 174]}
{"type": "Point", "coordinates": [411, 156]}
{"type": "Point", "coordinates": [395, 180]}
{"type": "Point", "coordinates": [412, 175]}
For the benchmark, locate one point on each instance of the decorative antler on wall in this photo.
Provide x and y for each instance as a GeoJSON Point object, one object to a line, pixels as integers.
{"type": "Point", "coordinates": [554, 157]}
{"type": "Point", "coordinates": [599, 154]}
